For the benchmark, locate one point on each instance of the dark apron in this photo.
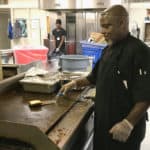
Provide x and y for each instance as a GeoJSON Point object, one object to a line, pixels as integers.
{"type": "Point", "coordinates": [113, 103]}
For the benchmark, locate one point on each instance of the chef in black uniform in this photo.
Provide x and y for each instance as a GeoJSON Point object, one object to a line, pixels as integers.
{"type": "Point", "coordinates": [59, 35]}
{"type": "Point", "coordinates": [122, 80]}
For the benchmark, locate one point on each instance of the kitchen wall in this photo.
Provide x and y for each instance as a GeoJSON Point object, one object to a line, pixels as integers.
{"type": "Point", "coordinates": [36, 21]}
{"type": "Point", "coordinates": [137, 13]}
{"type": "Point", "coordinates": [23, 3]}
{"type": "Point", "coordinates": [36, 25]}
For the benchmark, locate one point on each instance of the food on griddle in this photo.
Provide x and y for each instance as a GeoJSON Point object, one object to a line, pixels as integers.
{"type": "Point", "coordinates": [50, 78]}
{"type": "Point", "coordinates": [91, 93]}
{"type": "Point", "coordinates": [34, 71]}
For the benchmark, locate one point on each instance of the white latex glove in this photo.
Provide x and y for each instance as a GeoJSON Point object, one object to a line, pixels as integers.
{"type": "Point", "coordinates": [121, 131]}
{"type": "Point", "coordinates": [57, 49]}
{"type": "Point", "coordinates": [68, 87]}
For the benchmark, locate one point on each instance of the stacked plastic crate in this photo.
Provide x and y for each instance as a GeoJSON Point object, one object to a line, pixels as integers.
{"type": "Point", "coordinates": [93, 50]}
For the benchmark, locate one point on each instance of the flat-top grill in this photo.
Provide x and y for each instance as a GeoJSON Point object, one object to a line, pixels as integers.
{"type": "Point", "coordinates": [36, 126]}
{"type": "Point", "coordinates": [51, 127]}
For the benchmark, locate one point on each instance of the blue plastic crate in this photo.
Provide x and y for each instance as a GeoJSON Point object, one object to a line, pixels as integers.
{"type": "Point", "coordinates": [92, 50]}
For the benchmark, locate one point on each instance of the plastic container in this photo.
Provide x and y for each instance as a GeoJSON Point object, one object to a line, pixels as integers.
{"type": "Point", "coordinates": [74, 62]}
{"type": "Point", "coordinates": [39, 87]}
{"type": "Point", "coordinates": [25, 55]}
{"type": "Point", "coordinates": [47, 84]}
{"type": "Point", "coordinates": [92, 50]}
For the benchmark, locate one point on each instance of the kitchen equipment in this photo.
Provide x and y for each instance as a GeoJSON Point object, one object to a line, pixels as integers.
{"type": "Point", "coordinates": [26, 67]}
{"type": "Point", "coordinates": [93, 50]}
{"type": "Point", "coordinates": [54, 127]}
{"type": "Point", "coordinates": [73, 4]}
{"type": "Point", "coordinates": [5, 84]}
{"type": "Point", "coordinates": [48, 83]}
{"type": "Point", "coordinates": [25, 125]}
{"type": "Point", "coordinates": [23, 137]}
{"type": "Point", "coordinates": [39, 87]}
{"type": "Point", "coordinates": [28, 54]}
{"type": "Point", "coordinates": [7, 56]}
{"type": "Point", "coordinates": [20, 69]}
{"type": "Point", "coordinates": [68, 75]}
{"type": "Point", "coordinates": [74, 62]}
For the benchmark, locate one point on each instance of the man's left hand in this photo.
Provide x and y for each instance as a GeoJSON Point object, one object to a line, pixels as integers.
{"type": "Point", "coordinates": [121, 131]}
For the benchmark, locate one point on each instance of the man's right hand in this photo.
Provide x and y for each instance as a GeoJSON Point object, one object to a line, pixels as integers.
{"type": "Point", "coordinates": [57, 50]}
{"type": "Point", "coordinates": [68, 87]}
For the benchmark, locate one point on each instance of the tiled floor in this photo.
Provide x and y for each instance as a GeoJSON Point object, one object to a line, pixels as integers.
{"type": "Point", "coordinates": [146, 142]}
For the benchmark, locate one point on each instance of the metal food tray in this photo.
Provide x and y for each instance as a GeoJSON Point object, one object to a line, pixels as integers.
{"type": "Point", "coordinates": [39, 87]}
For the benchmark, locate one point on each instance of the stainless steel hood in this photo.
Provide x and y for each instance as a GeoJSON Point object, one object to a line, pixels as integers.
{"type": "Point", "coordinates": [73, 4]}
{"type": "Point", "coordinates": [57, 4]}
{"type": "Point", "coordinates": [92, 4]}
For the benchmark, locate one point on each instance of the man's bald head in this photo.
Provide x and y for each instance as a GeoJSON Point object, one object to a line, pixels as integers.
{"type": "Point", "coordinates": [115, 23]}
{"type": "Point", "coordinates": [117, 13]}
{"type": "Point", "coordinates": [116, 10]}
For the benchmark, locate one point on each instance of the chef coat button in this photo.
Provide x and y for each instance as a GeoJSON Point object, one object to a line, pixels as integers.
{"type": "Point", "coordinates": [145, 72]}
{"type": "Point", "coordinates": [118, 72]}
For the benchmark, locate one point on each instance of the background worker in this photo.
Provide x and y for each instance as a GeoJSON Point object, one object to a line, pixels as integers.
{"type": "Point", "coordinates": [59, 35]}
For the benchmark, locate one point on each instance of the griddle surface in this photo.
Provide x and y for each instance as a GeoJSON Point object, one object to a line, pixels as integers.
{"type": "Point", "coordinates": [14, 107]}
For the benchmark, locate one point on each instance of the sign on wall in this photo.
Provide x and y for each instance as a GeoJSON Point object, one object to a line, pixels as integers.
{"type": "Point", "coordinates": [20, 28]}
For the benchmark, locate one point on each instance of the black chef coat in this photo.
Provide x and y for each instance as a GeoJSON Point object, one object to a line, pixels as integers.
{"type": "Point", "coordinates": [58, 37]}
{"type": "Point", "coordinates": [122, 79]}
